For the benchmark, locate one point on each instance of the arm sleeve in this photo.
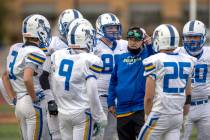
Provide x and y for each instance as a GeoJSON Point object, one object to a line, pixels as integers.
{"type": "Point", "coordinates": [150, 49]}
{"type": "Point", "coordinates": [94, 66]}
{"type": "Point", "coordinates": [31, 65]}
{"type": "Point", "coordinates": [47, 64]}
{"type": "Point", "coordinates": [112, 86]}
{"type": "Point", "coordinates": [150, 67]}
{"type": "Point", "coordinates": [35, 58]}
{"type": "Point", "coordinates": [95, 104]}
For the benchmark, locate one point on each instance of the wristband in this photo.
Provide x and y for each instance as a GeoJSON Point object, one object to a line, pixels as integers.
{"type": "Point", "coordinates": [188, 100]}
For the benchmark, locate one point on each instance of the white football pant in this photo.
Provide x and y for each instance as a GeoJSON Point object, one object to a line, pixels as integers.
{"type": "Point", "coordinates": [110, 131]}
{"type": "Point", "coordinates": [32, 119]}
{"type": "Point", "coordinates": [75, 126]}
{"type": "Point", "coordinates": [199, 115]}
{"type": "Point", "coordinates": [161, 127]}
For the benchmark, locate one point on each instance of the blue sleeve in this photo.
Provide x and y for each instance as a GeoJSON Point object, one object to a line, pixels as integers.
{"type": "Point", "coordinates": [150, 49]}
{"type": "Point", "coordinates": [112, 86]}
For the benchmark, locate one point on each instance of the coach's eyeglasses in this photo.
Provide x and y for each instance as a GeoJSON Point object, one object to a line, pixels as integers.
{"type": "Point", "coordinates": [135, 34]}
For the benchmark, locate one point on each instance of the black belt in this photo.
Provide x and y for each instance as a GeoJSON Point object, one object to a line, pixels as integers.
{"type": "Point", "coordinates": [104, 95]}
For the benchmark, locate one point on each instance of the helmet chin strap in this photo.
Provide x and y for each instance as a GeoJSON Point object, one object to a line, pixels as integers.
{"type": "Point", "coordinates": [195, 54]}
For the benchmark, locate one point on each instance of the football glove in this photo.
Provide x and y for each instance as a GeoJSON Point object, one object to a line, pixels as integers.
{"type": "Point", "coordinates": [98, 127]}
{"type": "Point", "coordinates": [14, 101]}
{"type": "Point", "coordinates": [52, 107]}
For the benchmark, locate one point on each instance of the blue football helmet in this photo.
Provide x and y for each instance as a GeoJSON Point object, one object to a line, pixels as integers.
{"type": "Point", "coordinates": [194, 28]}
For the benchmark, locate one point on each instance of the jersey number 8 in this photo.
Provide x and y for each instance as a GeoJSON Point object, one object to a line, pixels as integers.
{"type": "Point", "coordinates": [107, 63]}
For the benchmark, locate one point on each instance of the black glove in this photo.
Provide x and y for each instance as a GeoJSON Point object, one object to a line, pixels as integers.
{"type": "Point", "coordinates": [52, 107]}
{"type": "Point", "coordinates": [98, 127]}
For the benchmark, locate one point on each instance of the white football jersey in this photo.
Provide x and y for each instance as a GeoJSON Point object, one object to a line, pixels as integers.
{"type": "Point", "coordinates": [69, 74]}
{"type": "Point", "coordinates": [56, 44]}
{"type": "Point", "coordinates": [171, 72]}
{"type": "Point", "coordinates": [201, 76]}
{"type": "Point", "coordinates": [19, 55]}
{"type": "Point", "coordinates": [107, 55]}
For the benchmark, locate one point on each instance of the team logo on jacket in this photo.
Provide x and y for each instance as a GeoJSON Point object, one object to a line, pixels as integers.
{"type": "Point", "coordinates": [131, 59]}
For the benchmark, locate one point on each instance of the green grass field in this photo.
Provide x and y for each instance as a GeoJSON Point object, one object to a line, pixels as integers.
{"type": "Point", "coordinates": [12, 131]}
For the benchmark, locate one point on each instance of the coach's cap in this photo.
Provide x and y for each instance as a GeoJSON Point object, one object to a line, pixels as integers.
{"type": "Point", "coordinates": [135, 32]}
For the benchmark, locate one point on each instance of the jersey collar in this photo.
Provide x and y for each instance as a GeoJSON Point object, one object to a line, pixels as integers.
{"type": "Point", "coordinates": [30, 44]}
{"type": "Point", "coordinates": [111, 45]}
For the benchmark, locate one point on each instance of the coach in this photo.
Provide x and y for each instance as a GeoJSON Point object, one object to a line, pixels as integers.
{"type": "Point", "coordinates": [127, 85]}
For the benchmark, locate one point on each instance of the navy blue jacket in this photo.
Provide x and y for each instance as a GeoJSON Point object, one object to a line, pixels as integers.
{"type": "Point", "coordinates": [127, 82]}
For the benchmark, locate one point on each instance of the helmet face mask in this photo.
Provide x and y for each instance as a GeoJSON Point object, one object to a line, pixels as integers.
{"type": "Point", "coordinates": [37, 26]}
{"type": "Point", "coordinates": [44, 33]}
{"type": "Point", "coordinates": [109, 26]}
{"type": "Point", "coordinates": [112, 32]}
{"type": "Point", "coordinates": [90, 39]}
{"type": "Point", "coordinates": [194, 37]}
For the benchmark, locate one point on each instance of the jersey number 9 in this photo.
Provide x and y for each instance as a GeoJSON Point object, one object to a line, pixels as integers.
{"type": "Point", "coordinates": [65, 70]}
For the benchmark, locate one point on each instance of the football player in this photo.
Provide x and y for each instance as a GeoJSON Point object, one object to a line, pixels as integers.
{"type": "Point", "coordinates": [167, 85]}
{"type": "Point", "coordinates": [57, 43]}
{"type": "Point", "coordinates": [21, 79]}
{"type": "Point", "coordinates": [66, 17]}
{"type": "Point", "coordinates": [109, 44]}
{"type": "Point", "coordinates": [194, 38]}
{"type": "Point", "coordinates": [74, 84]}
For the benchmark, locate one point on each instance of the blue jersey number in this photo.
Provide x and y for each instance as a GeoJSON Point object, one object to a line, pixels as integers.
{"type": "Point", "coordinates": [178, 73]}
{"type": "Point", "coordinates": [200, 73]}
{"type": "Point", "coordinates": [108, 63]}
{"type": "Point", "coordinates": [65, 70]}
{"type": "Point", "coordinates": [11, 65]}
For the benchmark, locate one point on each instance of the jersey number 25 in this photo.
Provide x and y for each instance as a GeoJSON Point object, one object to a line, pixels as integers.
{"type": "Point", "coordinates": [178, 69]}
